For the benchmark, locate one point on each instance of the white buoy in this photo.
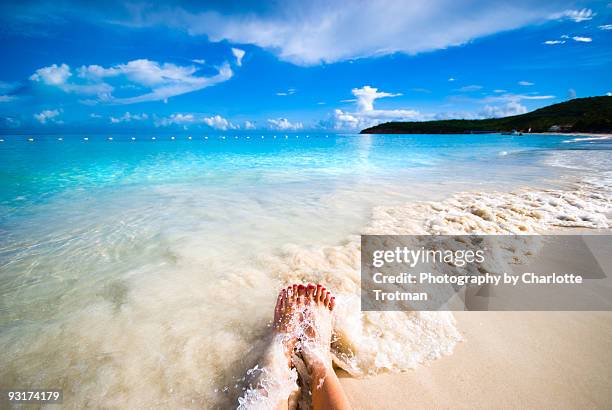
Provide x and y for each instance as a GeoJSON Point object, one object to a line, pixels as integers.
{"type": "Point", "coordinates": [205, 138]}
{"type": "Point", "coordinates": [188, 138]}
{"type": "Point", "coordinates": [307, 136]}
{"type": "Point", "coordinates": [60, 139]}
{"type": "Point", "coordinates": [262, 137]}
{"type": "Point", "coordinates": [275, 137]}
{"type": "Point", "coordinates": [1, 140]}
{"type": "Point", "coordinates": [286, 136]}
{"type": "Point", "coordinates": [85, 139]}
{"type": "Point", "coordinates": [172, 138]}
{"type": "Point", "coordinates": [236, 137]}
{"type": "Point", "coordinates": [222, 138]}
{"type": "Point", "coordinates": [327, 136]}
{"type": "Point", "coordinates": [31, 139]}
{"type": "Point", "coordinates": [297, 136]}
{"type": "Point", "coordinates": [133, 138]}
{"type": "Point", "coordinates": [153, 138]}
{"type": "Point", "coordinates": [248, 138]}
{"type": "Point", "coordinates": [110, 138]}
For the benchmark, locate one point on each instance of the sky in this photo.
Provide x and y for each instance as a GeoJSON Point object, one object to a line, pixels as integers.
{"type": "Point", "coordinates": [287, 66]}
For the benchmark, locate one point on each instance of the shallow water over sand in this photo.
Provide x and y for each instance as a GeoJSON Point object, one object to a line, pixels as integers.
{"type": "Point", "coordinates": [144, 273]}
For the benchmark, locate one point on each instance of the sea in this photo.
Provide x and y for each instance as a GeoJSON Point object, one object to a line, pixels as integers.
{"type": "Point", "coordinates": [142, 270]}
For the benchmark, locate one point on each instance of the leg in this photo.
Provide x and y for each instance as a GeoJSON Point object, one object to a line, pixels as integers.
{"type": "Point", "coordinates": [327, 393]}
{"type": "Point", "coordinates": [276, 380]}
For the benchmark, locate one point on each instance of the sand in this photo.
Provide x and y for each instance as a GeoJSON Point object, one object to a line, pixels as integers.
{"type": "Point", "coordinates": [509, 360]}
{"type": "Point", "coordinates": [512, 359]}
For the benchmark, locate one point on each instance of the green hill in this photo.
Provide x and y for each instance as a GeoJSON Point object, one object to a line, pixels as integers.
{"type": "Point", "coordinates": [593, 114]}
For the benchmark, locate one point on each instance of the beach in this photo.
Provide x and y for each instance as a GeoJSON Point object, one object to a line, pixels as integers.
{"type": "Point", "coordinates": [521, 359]}
{"type": "Point", "coordinates": [508, 359]}
{"type": "Point", "coordinates": [145, 274]}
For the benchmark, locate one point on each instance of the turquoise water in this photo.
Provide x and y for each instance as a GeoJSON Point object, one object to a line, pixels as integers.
{"type": "Point", "coordinates": [129, 264]}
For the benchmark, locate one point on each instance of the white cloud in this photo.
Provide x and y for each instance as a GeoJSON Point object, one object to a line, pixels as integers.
{"type": "Point", "coordinates": [52, 75]}
{"type": "Point", "coordinates": [606, 27]}
{"type": "Point", "coordinates": [366, 115]}
{"type": "Point", "coordinates": [216, 121]}
{"type": "Point", "coordinates": [128, 117]}
{"type": "Point", "coordinates": [160, 81]}
{"type": "Point", "coordinates": [249, 125]}
{"type": "Point", "coordinates": [283, 124]}
{"type": "Point", "coordinates": [198, 61]}
{"type": "Point", "coordinates": [239, 54]}
{"type": "Point", "coordinates": [609, 94]}
{"type": "Point", "coordinates": [511, 108]}
{"type": "Point", "coordinates": [290, 91]}
{"type": "Point", "coordinates": [565, 36]}
{"type": "Point", "coordinates": [47, 116]}
{"type": "Point", "coordinates": [525, 83]}
{"type": "Point", "coordinates": [7, 98]}
{"type": "Point", "coordinates": [451, 79]}
{"type": "Point", "coordinates": [499, 91]}
{"type": "Point", "coordinates": [94, 115]}
{"type": "Point", "coordinates": [571, 93]}
{"type": "Point", "coordinates": [553, 42]}
{"type": "Point", "coordinates": [322, 31]}
{"type": "Point", "coordinates": [582, 39]}
{"type": "Point", "coordinates": [576, 15]}
{"type": "Point", "coordinates": [469, 88]}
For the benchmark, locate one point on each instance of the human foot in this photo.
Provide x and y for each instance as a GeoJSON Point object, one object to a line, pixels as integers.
{"type": "Point", "coordinates": [287, 317]}
{"type": "Point", "coordinates": [316, 326]}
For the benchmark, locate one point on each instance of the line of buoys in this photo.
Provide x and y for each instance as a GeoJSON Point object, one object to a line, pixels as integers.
{"type": "Point", "coordinates": [248, 137]}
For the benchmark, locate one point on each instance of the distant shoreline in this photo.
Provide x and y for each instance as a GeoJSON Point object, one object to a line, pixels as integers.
{"type": "Point", "coordinates": [576, 134]}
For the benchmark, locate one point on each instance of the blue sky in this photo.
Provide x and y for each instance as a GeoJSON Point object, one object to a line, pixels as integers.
{"type": "Point", "coordinates": [293, 65]}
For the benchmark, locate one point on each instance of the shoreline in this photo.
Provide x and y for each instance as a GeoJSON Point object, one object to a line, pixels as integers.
{"type": "Point", "coordinates": [572, 134]}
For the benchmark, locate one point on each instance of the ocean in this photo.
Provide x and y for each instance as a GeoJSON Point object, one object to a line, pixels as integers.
{"type": "Point", "coordinates": [142, 270]}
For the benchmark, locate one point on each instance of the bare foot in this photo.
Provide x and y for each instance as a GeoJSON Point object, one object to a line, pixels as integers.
{"type": "Point", "coordinates": [317, 326]}
{"type": "Point", "coordinates": [287, 318]}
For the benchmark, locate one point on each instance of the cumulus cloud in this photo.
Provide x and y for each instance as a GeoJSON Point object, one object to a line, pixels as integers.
{"type": "Point", "coordinates": [47, 116]}
{"type": "Point", "coordinates": [215, 121]}
{"type": "Point", "coordinates": [249, 125]}
{"type": "Point", "coordinates": [159, 80]}
{"type": "Point", "coordinates": [128, 117]}
{"type": "Point", "coordinates": [577, 15]}
{"type": "Point", "coordinates": [511, 108]}
{"type": "Point", "coordinates": [239, 54]}
{"type": "Point", "coordinates": [366, 115]}
{"type": "Point", "coordinates": [283, 124]}
{"type": "Point", "coordinates": [554, 42]}
{"type": "Point", "coordinates": [321, 31]}
{"type": "Point", "coordinates": [582, 39]}
{"type": "Point", "coordinates": [525, 83]}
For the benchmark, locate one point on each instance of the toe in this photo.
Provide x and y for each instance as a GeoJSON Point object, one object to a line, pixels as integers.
{"type": "Point", "coordinates": [318, 292]}
{"type": "Point", "coordinates": [327, 299]}
{"type": "Point", "coordinates": [301, 293]}
{"type": "Point", "coordinates": [310, 292]}
{"type": "Point", "coordinates": [332, 303]}
{"type": "Point", "coordinates": [322, 295]}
